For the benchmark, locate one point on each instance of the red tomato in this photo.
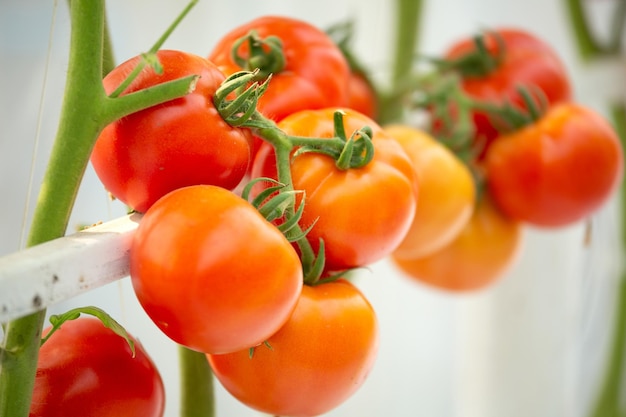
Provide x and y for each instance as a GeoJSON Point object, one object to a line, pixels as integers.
{"type": "Point", "coordinates": [558, 170]}
{"type": "Point", "coordinates": [315, 362]}
{"type": "Point", "coordinates": [315, 74]}
{"type": "Point", "coordinates": [85, 369]}
{"type": "Point", "coordinates": [211, 272]}
{"type": "Point", "coordinates": [484, 250]}
{"type": "Point", "coordinates": [182, 142]}
{"type": "Point", "coordinates": [361, 214]}
{"type": "Point", "coordinates": [362, 96]}
{"type": "Point", "coordinates": [446, 193]}
{"type": "Point", "coordinates": [527, 61]}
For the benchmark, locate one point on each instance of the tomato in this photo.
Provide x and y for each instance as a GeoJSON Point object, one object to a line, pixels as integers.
{"type": "Point", "coordinates": [526, 61]}
{"type": "Point", "coordinates": [558, 170]}
{"type": "Point", "coordinates": [362, 214]}
{"type": "Point", "coordinates": [446, 193]}
{"type": "Point", "coordinates": [484, 250]}
{"type": "Point", "coordinates": [182, 142]}
{"type": "Point", "coordinates": [85, 369]}
{"type": "Point", "coordinates": [315, 74]}
{"type": "Point", "coordinates": [362, 96]}
{"type": "Point", "coordinates": [211, 272]}
{"type": "Point", "coordinates": [315, 362]}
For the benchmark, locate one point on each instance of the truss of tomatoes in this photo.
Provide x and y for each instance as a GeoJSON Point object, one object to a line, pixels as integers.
{"type": "Point", "coordinates": [219, 277]}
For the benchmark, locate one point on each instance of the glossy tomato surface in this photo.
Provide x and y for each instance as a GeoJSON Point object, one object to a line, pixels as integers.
{"type": "Point", "coordinates": [211, 272]}
{"type": "Point", "coordinates": [145, 155]}
{"type": "Point", "coordinates": [85, 369]}
{"type": "Point", "coordinates": [362, 214]}
{"type": "Point", "coordinates": [447, 193]}
{"type": "Point", "coordinates": [315, 362]}
{"type": "Point", "coordinates": [558, 170]}
{"type": "Point", "coordinates": [315, 74]}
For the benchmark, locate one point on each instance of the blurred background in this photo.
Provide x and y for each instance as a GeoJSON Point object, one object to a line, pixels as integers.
{"type": "Point", "coordinates": [533, 344]}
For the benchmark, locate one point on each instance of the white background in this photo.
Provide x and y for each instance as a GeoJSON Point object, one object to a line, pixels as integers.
{"type": "Point", "coordinates": [531, 345]}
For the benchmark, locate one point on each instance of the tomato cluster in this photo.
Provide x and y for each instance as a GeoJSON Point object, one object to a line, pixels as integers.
{"type": "Point", "coordinates": [262, 188]}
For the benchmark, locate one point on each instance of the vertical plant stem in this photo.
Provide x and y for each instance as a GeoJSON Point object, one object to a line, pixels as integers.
{"type": "Point", "coordinates": [85, 112]}
{"type": "Point", "coordinates": [21, 345]}
{"type": "Point", "coordinates": [408, 17]}
{"type": "Point", "coordinates": [196, 382]}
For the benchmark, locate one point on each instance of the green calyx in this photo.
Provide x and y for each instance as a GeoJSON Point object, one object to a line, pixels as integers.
{"type": "Point", "coordinates": [478, 62]}
{"type": "Point", "coordinates": [264, 55]}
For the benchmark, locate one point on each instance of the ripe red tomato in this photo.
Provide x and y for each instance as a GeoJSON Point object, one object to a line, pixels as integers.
{"type": "Point", "coordinates": [85, 369]}
{"type": "Point", "coordinates": [315, 362]}
{"type": "Point", "coordinates": [558, 170]}
{"type": "Point", "coordinates": [484, 250]}
{"type": "Point", "coordinates": [315, 74]}
{"type": "Point", "coordinates": [182, 142]}
{"type": "Point", "coordinates": [526, 61]}
{"type": "Point", "coordinates": [361, 214]}
{"type": "Point", "coordinates": [446, 193]}
{"type": "Point", "coordinates": [362, 96]}
{"type": "Point", "coordinates": [211, 272]}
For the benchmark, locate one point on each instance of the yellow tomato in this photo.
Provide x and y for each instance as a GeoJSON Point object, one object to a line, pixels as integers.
{"type": "Point", "coordinates": [447, 193]}
{"type": "Point", "coordinates": [481, 253]}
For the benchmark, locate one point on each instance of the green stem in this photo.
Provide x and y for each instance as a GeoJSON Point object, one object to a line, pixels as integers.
{"type": "Point", "coordinates": [196, 382]}
{"type": "Point", "coordinates": [408, 16]}
{"type": "Point", "coordinates": [608, 403]}
{"type": "Point", "coordinates": [86, 111]}
{"type": "Point", "coordinates": [588, 46]}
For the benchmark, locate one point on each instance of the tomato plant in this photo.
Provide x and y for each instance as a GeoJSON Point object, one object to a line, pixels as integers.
{"type": "Point", "coordinates": [182, 142]}
{"type": "Point", "coordinates": [85, 369]}
{"type": "Point", "coordinates": [512, 58]}
{"type": "Point", "coordinates": [315, 362]}
{"type": "Point", "coordinates": [362, 96]}
{"type": "Point", "coordinates": [308, 69]}
{"type": "Point", "coordinates": [446, 193]}
{"type": "Point", "coordinates": [362, 214]}
{"type": "Point", "coordinates": [211, 272]}
{"type": "Point", "coordinates": [482, 252]}
{"type": "Point", "coordinates": [558, 170]}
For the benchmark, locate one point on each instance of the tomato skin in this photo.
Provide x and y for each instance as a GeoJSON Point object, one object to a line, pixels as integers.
{"type": "Point", "coordinates": [361, 214]}
{"type": "Point", "coordinates": [182, 142]}
{"type": "Point", "coordinates": [230, 278]}
{"type": "Point", "coordinates": [558, 170]}
{"type": "Point", "coordinates": [486, 248]}
{"type": "Point", "coordinates": [447, 193]}
{"type": "Point", "coordinates": [362, 96]}
{"type": "Point", "coordinates": [528, 61]}
{"type": "Point", "coordinates": [319, 358]}
{"type": "Point", "coordinates": [315, 74]}
{"type": "Point", "coordinates": [85, 369]}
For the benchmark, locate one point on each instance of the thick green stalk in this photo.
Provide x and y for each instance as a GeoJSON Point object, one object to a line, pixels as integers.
{"type": "Point", "coordinates": [408, 17]}
{"type": "Point", "coordinates": [196, 382]}
{"type": "Point", "coordinates": [86, 111]}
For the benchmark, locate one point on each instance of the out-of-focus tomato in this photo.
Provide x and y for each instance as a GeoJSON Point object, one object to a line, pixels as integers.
{"type": "Point", "coordinates": [446, 193]}
{"type": "Point", "coordinates": [85, 369]}
{"type": "Point", "coordinates": [362, 96]}
{"type": "Point", "coordinates": [526, 60]}
{"type": "Point", "coordinates": [558, 170]}
{"type": "Point", "coordinates": [362, 214]}
{"type": "Point", "coordinates": [145, 155]}
{"type": "Point", "coordinates": [211, 272]}
{"type": "Point", "coordinates": [484, 250]}
{"type": "Point", "coordinates": [314, 363]}
{"type": "Point", "coordinates": [315, 73]}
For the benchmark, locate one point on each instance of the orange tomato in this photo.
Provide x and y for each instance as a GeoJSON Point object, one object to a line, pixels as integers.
{"type": "Point", "coordinates": [484, 250]}
{"type": "Point", "coordinates": [312, 364]}
{"type": "Point", "coordinates": [446, 193]}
